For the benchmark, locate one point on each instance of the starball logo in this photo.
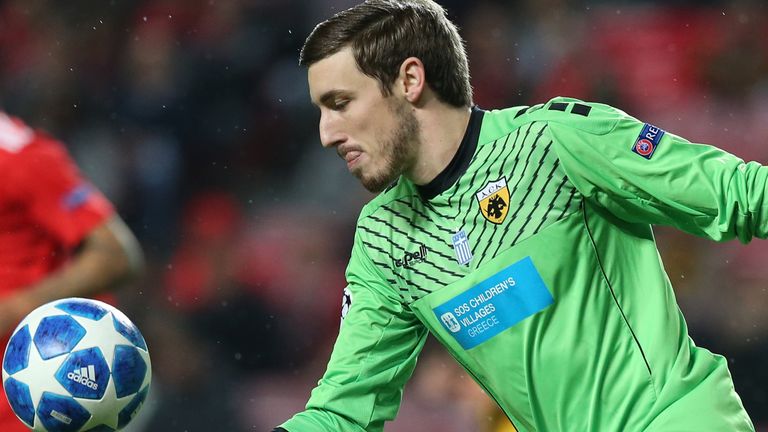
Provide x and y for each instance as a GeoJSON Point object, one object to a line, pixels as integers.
{"type": "Point", "coordinates": [411, 258]}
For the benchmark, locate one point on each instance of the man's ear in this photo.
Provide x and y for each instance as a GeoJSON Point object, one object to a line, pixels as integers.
{"type": "Point", "coordinates": [411, 81]}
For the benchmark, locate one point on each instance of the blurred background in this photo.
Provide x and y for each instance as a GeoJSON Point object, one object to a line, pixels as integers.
{"type": "Point", "coordinates": [194, 118]}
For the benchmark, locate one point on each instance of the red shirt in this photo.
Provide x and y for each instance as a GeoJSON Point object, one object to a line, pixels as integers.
{"type": "Point", "coordinates": [46, 207]}
{"type": "Point", "coordinates": [46, 210]}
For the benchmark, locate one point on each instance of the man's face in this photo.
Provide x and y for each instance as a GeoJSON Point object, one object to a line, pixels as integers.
{"type": "Point", "coordinates": [376, 135]}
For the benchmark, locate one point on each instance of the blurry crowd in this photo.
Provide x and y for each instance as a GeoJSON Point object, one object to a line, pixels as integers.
{"type": "Point", "coordinates": [193, 116]}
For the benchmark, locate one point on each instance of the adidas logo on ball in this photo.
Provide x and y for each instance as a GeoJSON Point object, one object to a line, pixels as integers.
{"type": "Point", "coordinates": [84, 376]}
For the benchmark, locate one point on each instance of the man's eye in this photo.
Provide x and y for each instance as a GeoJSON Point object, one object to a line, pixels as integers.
{"type": "Point", "coordinates": [340, 104]}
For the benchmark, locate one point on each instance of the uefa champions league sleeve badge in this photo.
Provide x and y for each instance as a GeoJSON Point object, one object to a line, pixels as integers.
{"type": "Point", "coordinates": [648, 141]}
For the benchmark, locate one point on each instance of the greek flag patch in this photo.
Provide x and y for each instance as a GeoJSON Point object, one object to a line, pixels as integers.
{"type": "Point", "coordinates": [461, 247]}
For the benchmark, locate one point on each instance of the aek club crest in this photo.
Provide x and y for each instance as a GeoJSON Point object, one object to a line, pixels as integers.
{"type": "Point", "coordinates": [494, 200]}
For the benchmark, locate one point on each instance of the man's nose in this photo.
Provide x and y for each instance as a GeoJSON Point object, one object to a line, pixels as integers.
{"type": "Point", "coordinates": [330, 133]}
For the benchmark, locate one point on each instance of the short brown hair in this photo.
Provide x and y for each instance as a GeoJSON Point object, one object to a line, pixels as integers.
{"type": "Point", "coordinates": [383, 33]}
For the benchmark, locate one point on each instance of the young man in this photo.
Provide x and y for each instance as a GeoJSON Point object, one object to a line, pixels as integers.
{"type": "Point", "coordinates": [521, 239]}
{"type": "Point", "coordinates": [59, 236]}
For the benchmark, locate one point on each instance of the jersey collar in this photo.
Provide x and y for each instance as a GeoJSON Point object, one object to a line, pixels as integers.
{"type": "Point", "coordinates": [460, 161]}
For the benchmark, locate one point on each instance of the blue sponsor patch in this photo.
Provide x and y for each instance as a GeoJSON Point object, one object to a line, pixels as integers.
{"type": "Point", "coordinates": [648, 141]}
{"type": "Point", "coordinates": [495, 304]}
{"type": "Point", "coordinates": [77, 196]}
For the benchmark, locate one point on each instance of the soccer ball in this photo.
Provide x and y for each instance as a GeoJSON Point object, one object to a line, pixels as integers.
{"type": "Point", "coordinates": [76, 365]}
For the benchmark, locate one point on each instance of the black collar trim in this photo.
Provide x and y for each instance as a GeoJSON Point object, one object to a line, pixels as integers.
{"type": "Point", "coordinates": [460, 161]}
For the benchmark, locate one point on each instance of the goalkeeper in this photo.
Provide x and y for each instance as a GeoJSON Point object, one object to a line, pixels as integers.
{"type": "Point", "coordinates": [520, 238]}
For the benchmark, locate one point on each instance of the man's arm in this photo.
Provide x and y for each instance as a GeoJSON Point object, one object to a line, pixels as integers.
{"type": "Point", "coordinates": [642, 174]}
{"type": "Point", "coordinates": [374, 355]}
{"type": "Point", "coordinates": [108, 256]}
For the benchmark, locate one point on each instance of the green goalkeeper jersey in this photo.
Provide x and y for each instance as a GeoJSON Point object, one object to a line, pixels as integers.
{"type": "Point", "coordinates": [531, 258]}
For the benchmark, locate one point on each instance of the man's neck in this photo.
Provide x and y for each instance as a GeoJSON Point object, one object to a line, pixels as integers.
{"type": "Point", "coordinates": [442, 130]}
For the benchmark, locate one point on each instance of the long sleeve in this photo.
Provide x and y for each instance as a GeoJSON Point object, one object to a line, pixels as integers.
{"type": "Point", "coordinates": [641, 174]}
{"type": "Point", "coordinates": [374, 355]}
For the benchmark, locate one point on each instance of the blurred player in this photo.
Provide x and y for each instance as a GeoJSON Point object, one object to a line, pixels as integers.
{"type": "Point", "coordinates": [59, 236]}
{"type": "Point", "coordinates": [520, 238]}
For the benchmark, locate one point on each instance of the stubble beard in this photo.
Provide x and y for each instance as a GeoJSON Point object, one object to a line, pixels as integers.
{"type": "Point", "coordinates": [400, 150]}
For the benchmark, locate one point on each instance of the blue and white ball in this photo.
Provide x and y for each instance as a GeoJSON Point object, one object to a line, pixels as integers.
{"type": "Point", "coordinates": [76, 365]}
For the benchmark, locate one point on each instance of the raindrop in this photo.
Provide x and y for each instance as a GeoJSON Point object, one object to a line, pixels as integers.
{"type": "Point", "coordinates": [145, 19]}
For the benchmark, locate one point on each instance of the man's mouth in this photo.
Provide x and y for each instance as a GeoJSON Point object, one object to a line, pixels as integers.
{"type": "Point", "coordinates": [352, 157]}
{"type": "Point", "coordinates": [350, 154]}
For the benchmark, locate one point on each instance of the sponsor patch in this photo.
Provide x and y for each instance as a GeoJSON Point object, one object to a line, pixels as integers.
{"type": "Point", "coordinates": [648, 141]}
{"type": "Point", "coordinates": [495, 304]}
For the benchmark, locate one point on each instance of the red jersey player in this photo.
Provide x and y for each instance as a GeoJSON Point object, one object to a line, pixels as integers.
{"type": "Point", "coordinates": [59, 236]}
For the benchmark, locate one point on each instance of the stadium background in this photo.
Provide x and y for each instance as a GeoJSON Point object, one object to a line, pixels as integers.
{"type": "Point", "coordinates": [193, 117]}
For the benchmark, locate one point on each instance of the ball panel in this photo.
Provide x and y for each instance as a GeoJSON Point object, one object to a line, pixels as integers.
{"type": "Point", "coordinates": [21, 401]}
{"type": "Point", "coordinates": [57, 335]}
{"type": "Point", "coordinates": [126, 328]}
{"type": "Point", "coordinates": [128, 370]}
{"type": "Point", "coordinates": [83, 308]}
{"type": "Point", "coordinates": [133, 407]}
{"type": "Point", "coordinates": [61, 413]}
{"type": "Point", "coordinates": [84, 374]}
{"type": "Point", "coordinates": [17, 354]}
